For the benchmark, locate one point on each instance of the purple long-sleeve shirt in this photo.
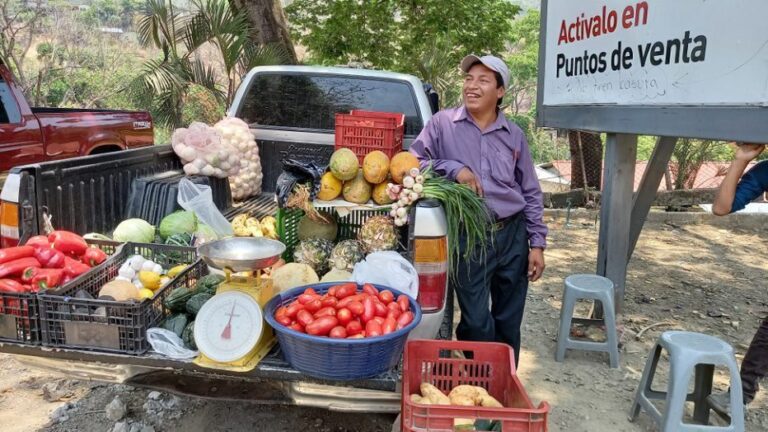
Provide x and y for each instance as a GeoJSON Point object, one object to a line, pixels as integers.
{"type": "Point", "coordinates": [498, 156]}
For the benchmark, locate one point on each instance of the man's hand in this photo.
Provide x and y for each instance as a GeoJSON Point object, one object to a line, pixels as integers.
{"type": "Point", "coordinates": [467, 177]}
{"type": "Point", "coordinates": [535, 264]}
{"type": "Point", "coordinates": [748, 152]}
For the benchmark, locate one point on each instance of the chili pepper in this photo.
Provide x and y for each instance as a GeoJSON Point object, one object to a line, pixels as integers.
{"type": "Point", "coordinates": [47, 279]}
{"type": "Point", "coordinates": [38, 242]}
{"type": "Point", "coordinates": [94, 256]}
{"type": "Point", "coordinates": [16, 267]}
{"type": "Point", "coordinates": [68, 242]}
{"type": "Point", "coordinates": [11, 286]}
{"type": "Point", "coordinates": [74, 268]}
{"type": "Point", "coordinates": [50, 258]}
{"type": "Point", "coordinates": [29, 273]}
{"type": "Point", "coordinates": [14, 253]}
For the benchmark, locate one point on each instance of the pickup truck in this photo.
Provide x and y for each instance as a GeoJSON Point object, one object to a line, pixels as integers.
{"type": "Point", "coordinates": [291, 112]}
{"type": "Point", "coordinates": [31, 135]}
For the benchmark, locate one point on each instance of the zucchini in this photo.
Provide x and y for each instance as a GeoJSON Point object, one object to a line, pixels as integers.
{"type": "Point", "coordinates": [209, 283]}
{"type": "Point", "coordinates": [196, 302]}
{"type": "Point", "coordinates": [177, 299]}
{"type": "Point", "coordinates": [188, 336]}
{"type": "Point", "coordinates": [175, 323]}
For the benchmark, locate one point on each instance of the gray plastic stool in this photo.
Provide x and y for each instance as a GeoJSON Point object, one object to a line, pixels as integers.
{"type": "Point", "coordinates": [594, 287]}
{"type": "Point", "coordinates": [688, 352]}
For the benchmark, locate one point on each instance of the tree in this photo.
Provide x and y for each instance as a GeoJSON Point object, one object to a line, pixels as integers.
{"type": "Point", "coordinates": [523, 61]}
{"type": "Point", "coordinates": [344, 31]}
{"type": "Point", "coordinates": [19, 22]}
{"type": "Point", "coordinates": [688, 156]}
{"type": "Point", "coordinates": [267, 25]}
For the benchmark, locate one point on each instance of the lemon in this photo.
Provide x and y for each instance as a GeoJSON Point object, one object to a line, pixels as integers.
{"type": "Point", "coordinates": [146, 294]}
{"type": "Point", "coordinates": [150, 280]}
{"type": "Point", "coordinates": [173, 272]}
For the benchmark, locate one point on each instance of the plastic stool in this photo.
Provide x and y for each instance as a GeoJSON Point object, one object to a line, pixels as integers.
{"type": "Point", "coordinates": [594, 287]}
{"type": "Point", "coordinates": [688, 352]}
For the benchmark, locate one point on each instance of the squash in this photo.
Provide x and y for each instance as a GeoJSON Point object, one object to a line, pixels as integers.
{"type": "Point", "coordinates": [188, 336]}
{"type": "Point", "coordinates": [120, 290]}
{"type": "Point", "coordinates": [196, 302]}
{"type": "Point", "coordinates": [177, 299]}
{"type": "Point", "coordinates": [175, 323]}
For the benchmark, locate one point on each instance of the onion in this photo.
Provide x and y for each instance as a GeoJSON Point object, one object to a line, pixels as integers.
{"type": "Point", "coordinates": [419, 179]}
{"type": "Point", "coordinates": [418, 188]}
{"type": "Point", "coordinates": [401, 211]}
{"type": "Point", "coordinates": [413, 196]}
{"type": "Point", "coordinates": [408, 181]}
{"type": "Point", "coordinates": [414, 172]}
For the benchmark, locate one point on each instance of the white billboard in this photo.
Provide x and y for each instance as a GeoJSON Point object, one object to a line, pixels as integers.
{"type": "Point", "coordinates": [656, 52]}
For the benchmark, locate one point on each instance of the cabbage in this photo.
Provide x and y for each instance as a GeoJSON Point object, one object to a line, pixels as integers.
{"type": "Point", "coordinates": [179, 222]}
{"type": "Point", "coordinates": [134, 230]}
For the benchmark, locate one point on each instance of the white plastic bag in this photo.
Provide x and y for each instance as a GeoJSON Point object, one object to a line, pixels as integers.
{"type": "Point", "coordinates": [390, 269]}
{"type": "Point", "coordinates": [169, 344]}
{"type": "Point", "coordinates": [199, 199]}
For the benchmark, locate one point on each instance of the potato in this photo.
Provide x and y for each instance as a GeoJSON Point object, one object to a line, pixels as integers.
{"type": "Point", "coordinates": [467, 391]}
{"type": "Point", "coordinates": [434, 394]}
{"type": "Point", "coordinates": [415, 398]}
{"type": "Point", "coordinates": [490, 402]}
{"type": "Point", "coordinates": [462, 400]}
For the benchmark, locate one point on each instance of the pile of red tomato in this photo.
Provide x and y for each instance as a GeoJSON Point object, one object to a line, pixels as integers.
{"type": "Point", "coordinates": [345, 312]}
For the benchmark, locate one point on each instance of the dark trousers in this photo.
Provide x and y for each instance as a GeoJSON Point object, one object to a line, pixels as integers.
{"type": "Point", "coordinates": [755, 363]}
{"type": "Point", "coordinates": [501, 278]}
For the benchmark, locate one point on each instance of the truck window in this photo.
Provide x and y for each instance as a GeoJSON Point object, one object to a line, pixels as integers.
{"type": "Point", "coordinates": [311, 102]}
{"type": "Point", "coordinates": [9, 112]}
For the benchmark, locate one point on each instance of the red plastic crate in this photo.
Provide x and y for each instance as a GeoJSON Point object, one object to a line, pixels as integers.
{"type": "Point", "coordinates": [492, 367]}
{"type": "Point", "coordinates": [366, 131]}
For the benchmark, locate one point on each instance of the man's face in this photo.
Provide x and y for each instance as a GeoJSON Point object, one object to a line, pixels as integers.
{"type": "Point", "coordinates": [479, 91]}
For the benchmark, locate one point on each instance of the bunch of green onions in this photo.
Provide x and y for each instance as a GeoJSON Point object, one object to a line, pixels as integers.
{"type": "Point", "coordinates": [466, 214]}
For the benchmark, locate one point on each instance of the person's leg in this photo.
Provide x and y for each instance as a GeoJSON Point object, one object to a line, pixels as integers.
{"type": "Point", "coordinates": [755, 364]}
{"type": "Point", "coordinates": [509, 285]}
{"type": "Point", "coordinates": [472, 289]}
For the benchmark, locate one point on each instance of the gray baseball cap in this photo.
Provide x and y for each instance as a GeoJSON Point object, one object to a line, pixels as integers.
{"type": "Point", "coordinates": [491, 62]}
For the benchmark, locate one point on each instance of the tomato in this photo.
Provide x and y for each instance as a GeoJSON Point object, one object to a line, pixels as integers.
{"type": "Point", "coordinates": [390, 324]}
{"type": "Point", "coordinates": [306, 298]}
{"type": "Point", "coordinates": [314, 306]}
{"type": "Point", "coordinates": [386, 297]}
{"type": "Point", "coordinates": [284, 320]}
{"type": "Point", "coordinates": [304, 317]}
{"type": "Point", "coordinates": [326, 311]}
{"type": "Point", "coordinates": [379, 320]}
{"type": "Point", "coordinates": [280, 311]}
{"type": "Point", "coordinates": [344, 315]}
{"type": "Point", "coordinates": [346, 290]}
{"type": "Point", "coordinates": [403, 302]}
{"type": "Point", "coordinates": [356, 308]}
{"type": "Point", "coordinates": [347, 300]}
{"type": "Point", "coordinates": [293, 309]}
{"type": "Point", "coordinates": [370, 289]}
{"type": "Point", "coordinates": [368, 309]}
{"type": "Point", "coordinates": [354, 327]}
{"type": "Point", "coordinates": [394, 314]}
{"type": "Point", "coordinates": [321, 326]}
{"type": "Point", "coordinates": [404, 319]}
{"type": "Point", "coordinates": [297, 326]}
{"type": "Point", "coordinates": [310, 291]}
{"type": "Point", "coordinates": [338, 332]}
{"type": "Point", "coordinates": [380, 310]}
{"type": "Point", "coordinates": [356, 336]}
{"type": "Point", "coordinates": [373, 329]}
{"type": "Point", "coordinates": [329, 301]}
{"type": "Point", "coordinates": [332, 290]}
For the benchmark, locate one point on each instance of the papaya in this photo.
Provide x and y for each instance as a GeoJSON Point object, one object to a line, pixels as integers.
{"type": "Point", "coordinates": [330, 187]}
{"type": "Point", "coordinates": [358, 190]}
{"type": "Point", "coordinates": [380, 195]}
{"type": "Point", "coordinates": [344, 164]}
{"type": "Point", "coordinates": [401, 164]}
{"type": "Point", "coordinates": [376, 167]}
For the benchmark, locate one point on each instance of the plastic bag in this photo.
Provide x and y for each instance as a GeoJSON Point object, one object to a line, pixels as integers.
{"type": "Point", "coordinates": [168, 344]}
{"type": "Point", "coordinates": [236, 133]}
{"type": "Point", "coordinates": [199, 199]}
{"type": "Point", "coordinates": [201, 149]}
{"type": "Point", "coordinates": [390, 269]}
{"type": "Point", "coordinates": [295, 171]}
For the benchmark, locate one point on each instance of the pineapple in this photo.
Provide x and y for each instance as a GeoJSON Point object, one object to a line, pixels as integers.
{"type": "Point", "coordinates": [346, 254]}
{"type": "Point", "coordinates": [314, 253]}
{"type": "Point", "coordinates": [378, 234]}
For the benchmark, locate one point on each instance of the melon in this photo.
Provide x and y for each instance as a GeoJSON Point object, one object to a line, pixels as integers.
{"type": "Point", "coordinates": [400, 164]}
{"type": "Point", "coordinates": [376, 167]}
{"type": "Point", "coordinates": [380, 195]}
{"type": "Point", "coordinates": [344, 164]}
{"type": "Point", "coordinates": [309, 228]}
{"type": "Point", "coordinates": [330, 187]}
{"type": "Point", "coordinates": [358, 190]}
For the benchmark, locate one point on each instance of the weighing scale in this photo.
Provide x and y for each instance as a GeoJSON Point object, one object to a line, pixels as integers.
{"type": "Point", "coordinates": [230, 330]}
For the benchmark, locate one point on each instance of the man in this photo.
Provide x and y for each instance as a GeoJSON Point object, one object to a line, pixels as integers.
{"type": "Point", "coordinates": [732, 196]}
{"type": "Point", "coordinates": [477, 146]}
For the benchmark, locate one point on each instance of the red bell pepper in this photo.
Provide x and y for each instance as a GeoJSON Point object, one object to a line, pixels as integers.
{"type": "Point", "coordinates": [14, 253]}
{"type": "Point", "coordinates": [16, 267]}
{"type": "Point", "coordinates": [47, 278]}
{"type": "Point", "coordinates": [29, 273]}
{"type": "Point", "coordinates": [50, 258]}
{"type": "Point", "coordinates": [11, 286]}
{"type": "Point", "coordinates": [39, 241]}
{"type": "Point", "coordinates": [94, 256]}
{"type": "Point", "coordinates": [68, 242]}
{"type": "Point", "coordinates": [74, 268]}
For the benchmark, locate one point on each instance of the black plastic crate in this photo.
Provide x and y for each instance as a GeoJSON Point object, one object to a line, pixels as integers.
{"type": "Point", "coordinates": [112, 326]}
{"type": "Point", "coordinates": [20, 313]}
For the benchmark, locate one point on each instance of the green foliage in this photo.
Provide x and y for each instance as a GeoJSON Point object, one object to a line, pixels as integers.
{"type": "Point", "coordinates": [201, 105]}
{"type": "Point", "coordinates": [112, 13]}
{"type": "Point", "coordinates": [523, 60]}
{"type": "Point", "coordinates": [544, 146]}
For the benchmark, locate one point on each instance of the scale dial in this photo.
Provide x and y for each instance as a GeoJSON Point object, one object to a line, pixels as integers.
{"type": "Point", "coordinates": [228, 326]}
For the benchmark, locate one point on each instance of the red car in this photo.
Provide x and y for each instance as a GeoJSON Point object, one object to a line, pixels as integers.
{"type": "Point", "coordinates": [31, 135]}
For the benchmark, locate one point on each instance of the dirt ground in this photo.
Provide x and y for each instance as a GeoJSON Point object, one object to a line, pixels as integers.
{"type": "Point", "coordinates": [693, 277]}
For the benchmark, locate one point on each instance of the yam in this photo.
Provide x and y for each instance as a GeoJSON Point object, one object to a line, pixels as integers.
{"type": "Point", "coordinates": [435, 396]}
{"type": "Point", "coordinates": [415, 398]}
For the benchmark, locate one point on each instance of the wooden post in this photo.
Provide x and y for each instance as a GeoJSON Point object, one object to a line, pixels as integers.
{"type": "Point", "coordinates": [615, 213]}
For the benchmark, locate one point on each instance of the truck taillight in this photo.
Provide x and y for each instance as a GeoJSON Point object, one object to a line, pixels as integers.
{"type": "Point", "coordinates": [430, 258]}
{"type": "Point", "coordinates": [9, 224]}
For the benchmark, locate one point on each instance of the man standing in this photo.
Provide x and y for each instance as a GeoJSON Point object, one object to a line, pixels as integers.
{"type": "Point", "coordinates": [732, 196]}
{"type": "Point", "coordinates": [477, 146]}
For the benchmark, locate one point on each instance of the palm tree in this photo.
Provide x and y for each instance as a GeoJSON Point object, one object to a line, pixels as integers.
{"type": "Point", "coordinates": [180, 35]}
